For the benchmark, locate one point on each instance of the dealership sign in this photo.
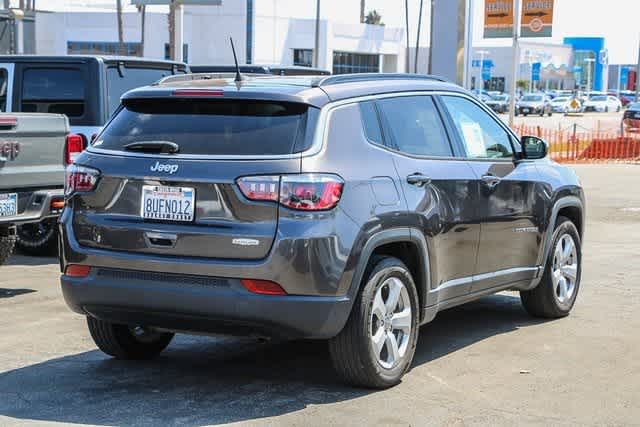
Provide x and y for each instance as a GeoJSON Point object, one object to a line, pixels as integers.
{"type": "Point", "coordinates": [536, 18]}
{"type": "Point", "coordinates": [498, 19]}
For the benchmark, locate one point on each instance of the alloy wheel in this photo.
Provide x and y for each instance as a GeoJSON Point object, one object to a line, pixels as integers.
{"type": "Point", "coordinates": [390, 323]}
{"type": "Point", "coordinates": [565, 269]}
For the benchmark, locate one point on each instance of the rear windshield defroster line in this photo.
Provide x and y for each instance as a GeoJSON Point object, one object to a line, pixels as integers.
{"type": "Point", "coordinates": [211, 127]}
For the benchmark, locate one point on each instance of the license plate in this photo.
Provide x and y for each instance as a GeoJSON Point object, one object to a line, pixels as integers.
{"type": "Point", "coordinates": [8, 204]}
{"type": "Point", "coordinates": [167, 203]}
{"type": "Point", "coordinates": [525, 110]}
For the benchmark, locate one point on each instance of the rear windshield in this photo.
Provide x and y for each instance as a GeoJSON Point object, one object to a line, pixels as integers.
{"type": "Point", "coordinates": [210, 127]}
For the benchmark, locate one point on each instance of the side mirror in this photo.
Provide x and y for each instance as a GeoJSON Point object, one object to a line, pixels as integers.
{"type": "Point", "coordinates": [533, 147]}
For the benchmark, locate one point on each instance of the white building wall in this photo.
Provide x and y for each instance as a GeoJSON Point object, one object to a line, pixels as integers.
{"type": "Point", "coordinates": [279, 27]}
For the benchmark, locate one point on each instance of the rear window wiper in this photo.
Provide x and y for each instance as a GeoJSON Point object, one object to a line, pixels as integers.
{"type": "Point", "coordinates": [162, 147]}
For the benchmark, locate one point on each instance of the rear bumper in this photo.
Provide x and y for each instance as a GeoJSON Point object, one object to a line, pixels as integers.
{"type": "Point", "coordinates": [201, 305]}
{"type": "Point", "coordinates": [33, 206]}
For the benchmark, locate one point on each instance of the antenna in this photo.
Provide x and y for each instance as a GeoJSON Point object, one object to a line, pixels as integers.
{"type": "Point", "coordinates": [239, 77]}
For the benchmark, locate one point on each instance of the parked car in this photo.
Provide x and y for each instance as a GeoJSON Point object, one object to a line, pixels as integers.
{"type": "Point", "coordinates": [86, 89]}
{"type": "Point", "coordinates": [534, 103]}
{"type": "Point", "coordinates": [631, 118]}
{"type": "Point", "coordinates": [566, 104]}
{"type": "Point", "coordinates": [31, 174]}
{"type": "Point", "coordinates": [498, 103]}
{"type": "Point", "coordinates": [602, 104]}
{"type": "Point", "coordinates": [246, 208]}
{"type": "Point", "coordinates": [278, 70]}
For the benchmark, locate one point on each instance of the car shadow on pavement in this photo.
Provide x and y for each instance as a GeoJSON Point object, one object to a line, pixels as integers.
{"type": "Point", "coordinates": [200, 380]}
{"type": "Point", "coordinates": [26, 260]}
{"type": "Point", "coordinates": [10, 293]}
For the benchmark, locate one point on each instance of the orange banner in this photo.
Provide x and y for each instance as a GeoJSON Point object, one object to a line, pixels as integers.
{"type": "Point", "coordinates": [537, 18]}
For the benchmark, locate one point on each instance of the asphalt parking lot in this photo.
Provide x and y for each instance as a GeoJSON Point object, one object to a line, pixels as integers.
{"type": "Point", "coordinates": [485, 363]}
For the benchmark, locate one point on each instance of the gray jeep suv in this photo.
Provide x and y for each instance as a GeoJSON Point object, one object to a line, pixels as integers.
{"type": "Point", "coordinates": [347, 208]}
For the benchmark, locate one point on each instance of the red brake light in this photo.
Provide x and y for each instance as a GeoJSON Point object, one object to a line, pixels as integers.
{"type": "Point", "coordinates": [198, 92]}
{"type": "Point", "coordinates": [73, 147]}
{"type": "Point", "coordinates": [305, 192]}
{"type": "Point", "coordinates": [80, 179]}
{"type": "Point", "coordinates": [77, 270]}
{"type": "Point", "coordinates": [310, 192]}
{"type": "Point", "coordinates": [262, 287]}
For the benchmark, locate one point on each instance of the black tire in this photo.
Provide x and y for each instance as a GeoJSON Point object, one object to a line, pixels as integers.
{"type": "Point", "coordinates": [38, 238]}
{"type": "Point", "coordinates": [542, 301]}
{"type": "Point", "coordinates": [7, 244]}
{"type": "Point", "coordinates": [606, 109]}
{"type": "Point", "coordinates": [351, 350]}
{"type": "Point", "coordinates": [121, 342]}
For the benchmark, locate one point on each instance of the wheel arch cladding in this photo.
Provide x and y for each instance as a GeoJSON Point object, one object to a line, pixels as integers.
{"type": "Point", "coordinates": [401, 244]}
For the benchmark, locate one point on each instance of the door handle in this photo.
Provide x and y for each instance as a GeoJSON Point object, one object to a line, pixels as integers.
{"type": "Point", "coordinates": [491, 180]}
{"type": "Point", "coordinates": [418, 179]}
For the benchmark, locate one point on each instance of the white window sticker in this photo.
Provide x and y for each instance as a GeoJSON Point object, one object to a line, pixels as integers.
{"type": "Point", "coordinates": [472, 134]}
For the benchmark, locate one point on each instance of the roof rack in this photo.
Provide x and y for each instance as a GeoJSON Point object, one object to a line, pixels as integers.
{"type": "Point", "coordinates": [362, 77]}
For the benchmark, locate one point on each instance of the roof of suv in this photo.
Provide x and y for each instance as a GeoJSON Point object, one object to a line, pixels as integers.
{"type": "Point", "coordinates": [313, 90]}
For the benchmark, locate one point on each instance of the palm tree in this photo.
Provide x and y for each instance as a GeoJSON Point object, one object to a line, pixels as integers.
{"type": "Point", "coordinates": [373, 18]}
{"type": "Point", "coordinates": [415, 65]}
{"type": "Point", "coordinates": [120, 29]}
{"type": "Point", "coordinates": [362, 18]}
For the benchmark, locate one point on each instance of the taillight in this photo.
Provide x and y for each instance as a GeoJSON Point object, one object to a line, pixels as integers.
{"type": "Point", "coordinates": [310, 192]}
{"type": "Point", "coordinates": [262, 287]}
{"type": "Point", "coordinates": [305, 192]}
{"type": "Point", "coordinates": [80, 179]}
{"type": "Point", "coordinates": [73, 147]}
{"type": "Point", "coordinates": [260, 188]}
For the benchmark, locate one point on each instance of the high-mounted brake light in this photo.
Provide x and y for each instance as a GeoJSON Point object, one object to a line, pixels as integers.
{"type": "Point", "coordinates": [198, 92]}
{"type": "Point", "coordinates": [73, 147]}
{"type": "Point", "coordinates": [80, 179]}
{"type": "Point", "coordinates": [304, 192]}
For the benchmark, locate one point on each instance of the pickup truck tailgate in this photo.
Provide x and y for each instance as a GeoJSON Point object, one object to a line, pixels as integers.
{"type": "Point", "coordinates": [32, 150]}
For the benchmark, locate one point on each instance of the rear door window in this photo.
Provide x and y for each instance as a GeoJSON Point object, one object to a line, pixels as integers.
{"type": "Point", "coordinates": [53, 90]}
{"type": "Point", "coordinates": [414, 126]}
{"type": "Point", "coordinates": [131, 78]}
{"type": "Point", "coordinates": [210, 127]}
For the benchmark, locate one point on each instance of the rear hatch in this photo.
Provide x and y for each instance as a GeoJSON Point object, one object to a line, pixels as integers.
{"type": "Point", "coordinates": [168, 171]}
{"type": "Point", "coordinates": [32, 150]}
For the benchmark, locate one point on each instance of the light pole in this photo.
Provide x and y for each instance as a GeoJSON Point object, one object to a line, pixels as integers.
{"type": "Point", "coordinates": [482, 54]}
{"type": "Point", "coordinates": [638, 75]}
{"type": "Point", "coordinates": [589, 61]}
{"type": "Point", "coordinates": [516, 61]}
{"type": "Point", "coordinates": [316, 44]}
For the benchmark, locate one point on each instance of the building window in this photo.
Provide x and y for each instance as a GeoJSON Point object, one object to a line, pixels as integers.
{"type": "Point", "coordinates": [104, 48]}
{"type": "Point", "coordinates": [303, 57]}
{"type": "Point", "coordinates": [249, 36]}
{"type": "Point", "coordinates": [185, 52]}
{"type": "Point", "coordinates": [345, 62]}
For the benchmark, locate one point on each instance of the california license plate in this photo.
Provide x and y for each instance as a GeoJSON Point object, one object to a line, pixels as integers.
{"type": "Point", "coordinates": [167, 203]}
{"type": "Point", "coordinates": [8, 204]}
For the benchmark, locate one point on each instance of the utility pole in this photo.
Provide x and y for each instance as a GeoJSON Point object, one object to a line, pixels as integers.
{"type": "Point", "coordinates": [120, 29]}
{"type": "Point", "coordinates": [316, 49]}
{"type": "Point", "coordinates": [362, 6]}
{"type": "Point", "coordinates": [415, 65]}
{"type": "Point", "coordinates": [638, 75]}
{"type": "Point", "coordinates": [516, 61]}
{"type": "Point", "coordinates": [406, 26]}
